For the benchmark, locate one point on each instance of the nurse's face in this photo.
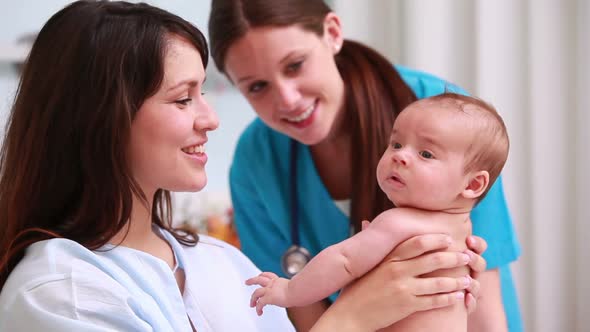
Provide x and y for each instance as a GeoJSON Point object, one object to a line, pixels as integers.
{"type": "Point", "coordinates": [290, 78]}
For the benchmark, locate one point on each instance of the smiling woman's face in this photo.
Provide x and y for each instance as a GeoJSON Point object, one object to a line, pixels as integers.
{"type": "Point", "coordinates": [168, 133]}
{"type": "Point", "coordinates": [290, 78]}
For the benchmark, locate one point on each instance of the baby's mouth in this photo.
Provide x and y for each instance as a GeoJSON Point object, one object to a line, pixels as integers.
{"type": "Point", "coordinates": [397, 179]}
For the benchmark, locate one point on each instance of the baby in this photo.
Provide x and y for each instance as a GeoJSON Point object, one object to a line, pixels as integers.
{"type": "Point", "coordinates": [445, 152]}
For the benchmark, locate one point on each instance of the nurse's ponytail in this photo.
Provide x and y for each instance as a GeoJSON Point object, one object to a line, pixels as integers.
{"type": "Point", "coordinates": [375, 94]}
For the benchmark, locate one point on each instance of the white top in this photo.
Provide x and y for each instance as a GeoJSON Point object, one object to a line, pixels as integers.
{"type": "Point", "coordinates": [61, 286]}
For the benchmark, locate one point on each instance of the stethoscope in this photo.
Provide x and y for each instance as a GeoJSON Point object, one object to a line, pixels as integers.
{"type": "Point", "coordinates": [296, 257]}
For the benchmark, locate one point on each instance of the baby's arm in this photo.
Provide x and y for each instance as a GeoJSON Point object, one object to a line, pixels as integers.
{"type": "Point", "coordinates": [336, 266]}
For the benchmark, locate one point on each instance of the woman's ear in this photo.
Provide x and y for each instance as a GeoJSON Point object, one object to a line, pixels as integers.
{"type": "Point", "coordinates": [333, 32]}
{"type": "Point", "coordinates": [477, 185]}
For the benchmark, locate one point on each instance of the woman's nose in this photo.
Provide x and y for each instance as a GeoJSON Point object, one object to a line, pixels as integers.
{"type": "Point", "coordinates": [206, 118]}
{"type": "Point", "coordinates": [287, 96]}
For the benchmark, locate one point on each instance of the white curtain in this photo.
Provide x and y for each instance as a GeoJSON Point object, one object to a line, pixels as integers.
{"type": "Point", "coordinates": [531, 59]}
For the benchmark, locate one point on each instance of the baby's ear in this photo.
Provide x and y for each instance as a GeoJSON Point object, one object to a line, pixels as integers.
{"type": "Point", "coordinates": [478, 182]}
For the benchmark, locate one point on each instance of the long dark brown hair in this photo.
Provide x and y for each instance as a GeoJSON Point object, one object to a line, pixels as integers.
{"type": "Point", "coordinates": [375, 92]}
{"type": "Point", "coordinates": [63, 166]}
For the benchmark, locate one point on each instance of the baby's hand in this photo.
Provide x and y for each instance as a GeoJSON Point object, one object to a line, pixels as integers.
{"type": "Point", "coordinates": [273, 291]}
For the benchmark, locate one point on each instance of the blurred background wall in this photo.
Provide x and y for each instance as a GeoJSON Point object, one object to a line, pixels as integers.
{"type": "Point", "coordinates": [530, 58]}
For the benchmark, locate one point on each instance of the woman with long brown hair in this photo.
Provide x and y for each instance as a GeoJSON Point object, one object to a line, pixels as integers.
{"type": "Point", "coordinates": [303, 173]}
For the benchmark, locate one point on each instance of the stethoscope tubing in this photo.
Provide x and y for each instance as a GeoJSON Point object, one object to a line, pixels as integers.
{"type": "Point", "coordinates": [295, 254]}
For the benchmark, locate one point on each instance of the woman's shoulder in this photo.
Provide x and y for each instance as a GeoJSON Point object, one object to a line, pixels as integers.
{"type": "Point", "coordinates": [426, 84]}
{"type": "Point", "coordinates": [51, 272]}
{"type": "Point", "coordinates": [54, 258]}
{"type": "Point", "coordinates": [416, 74]}
{"type": "Point", "coordinates": [61, 285]}
{"type": "Point", "coordinates": [48, 258]}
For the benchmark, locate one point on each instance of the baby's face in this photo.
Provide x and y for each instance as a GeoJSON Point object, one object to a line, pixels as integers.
{"type": "Point", "coordinates": [423, 166]}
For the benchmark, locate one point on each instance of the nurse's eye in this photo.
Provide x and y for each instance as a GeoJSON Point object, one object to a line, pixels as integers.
{"type": "Point", "coordinates": [426, 155]}
{"type": "Point", "coordinates": [396, 145]}
{"type": "Point", "coordinates": [294, 67]}
{"type": "Point", "coordinates": [256, 87]}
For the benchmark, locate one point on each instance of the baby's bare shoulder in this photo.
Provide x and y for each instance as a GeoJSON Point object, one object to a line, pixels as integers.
{"type": "Point", "coordinates": [412, 218]}
{"type": "Point", "coordinates": [404, 213]}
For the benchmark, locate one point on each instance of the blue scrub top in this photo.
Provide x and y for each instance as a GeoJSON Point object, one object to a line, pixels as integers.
{"type": "Point", "coordinates": [260, 179]}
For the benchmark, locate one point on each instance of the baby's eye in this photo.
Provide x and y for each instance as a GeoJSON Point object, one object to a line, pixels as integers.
{"type": "Point", "coordinates": [426, 154]}
{"type": "Point", "coordinates": [256, 87]}
{"type": "Point", "coordinates": [396, 145]}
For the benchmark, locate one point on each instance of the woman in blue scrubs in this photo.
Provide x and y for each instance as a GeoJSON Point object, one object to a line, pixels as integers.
{"type": "Point", "coordinates": [304, 170]}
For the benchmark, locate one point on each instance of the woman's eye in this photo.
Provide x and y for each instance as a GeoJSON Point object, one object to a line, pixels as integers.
{"type": "Point", "coordinates": [426, 154]}
{"type": "Point", "coordinates": [396, 146]}
{"type": "Point", "coordinates": [256, 87]}
{"type": "Point", "coordinates": [183, 102]}
{"type": "Point", "coordinates": [294, 67]}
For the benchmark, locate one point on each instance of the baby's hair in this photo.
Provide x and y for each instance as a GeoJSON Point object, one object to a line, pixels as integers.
{"type": "Point", "coordinates": [488, 149]}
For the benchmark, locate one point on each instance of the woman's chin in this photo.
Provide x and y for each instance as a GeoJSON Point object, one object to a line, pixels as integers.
{"type": "Point", "coordinates": [191, 187]}
{"type": "Point", "coordinates": [311, 138]}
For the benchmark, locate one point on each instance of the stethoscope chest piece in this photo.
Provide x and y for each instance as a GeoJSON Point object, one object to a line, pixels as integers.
{"type": "Point", "coordinates": [294, 259]}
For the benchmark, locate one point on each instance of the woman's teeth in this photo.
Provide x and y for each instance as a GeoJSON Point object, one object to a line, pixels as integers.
{"type": "Point", "coordinates": [303, 115]}
{"type": "Point", "coordinates": [194, 149]}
